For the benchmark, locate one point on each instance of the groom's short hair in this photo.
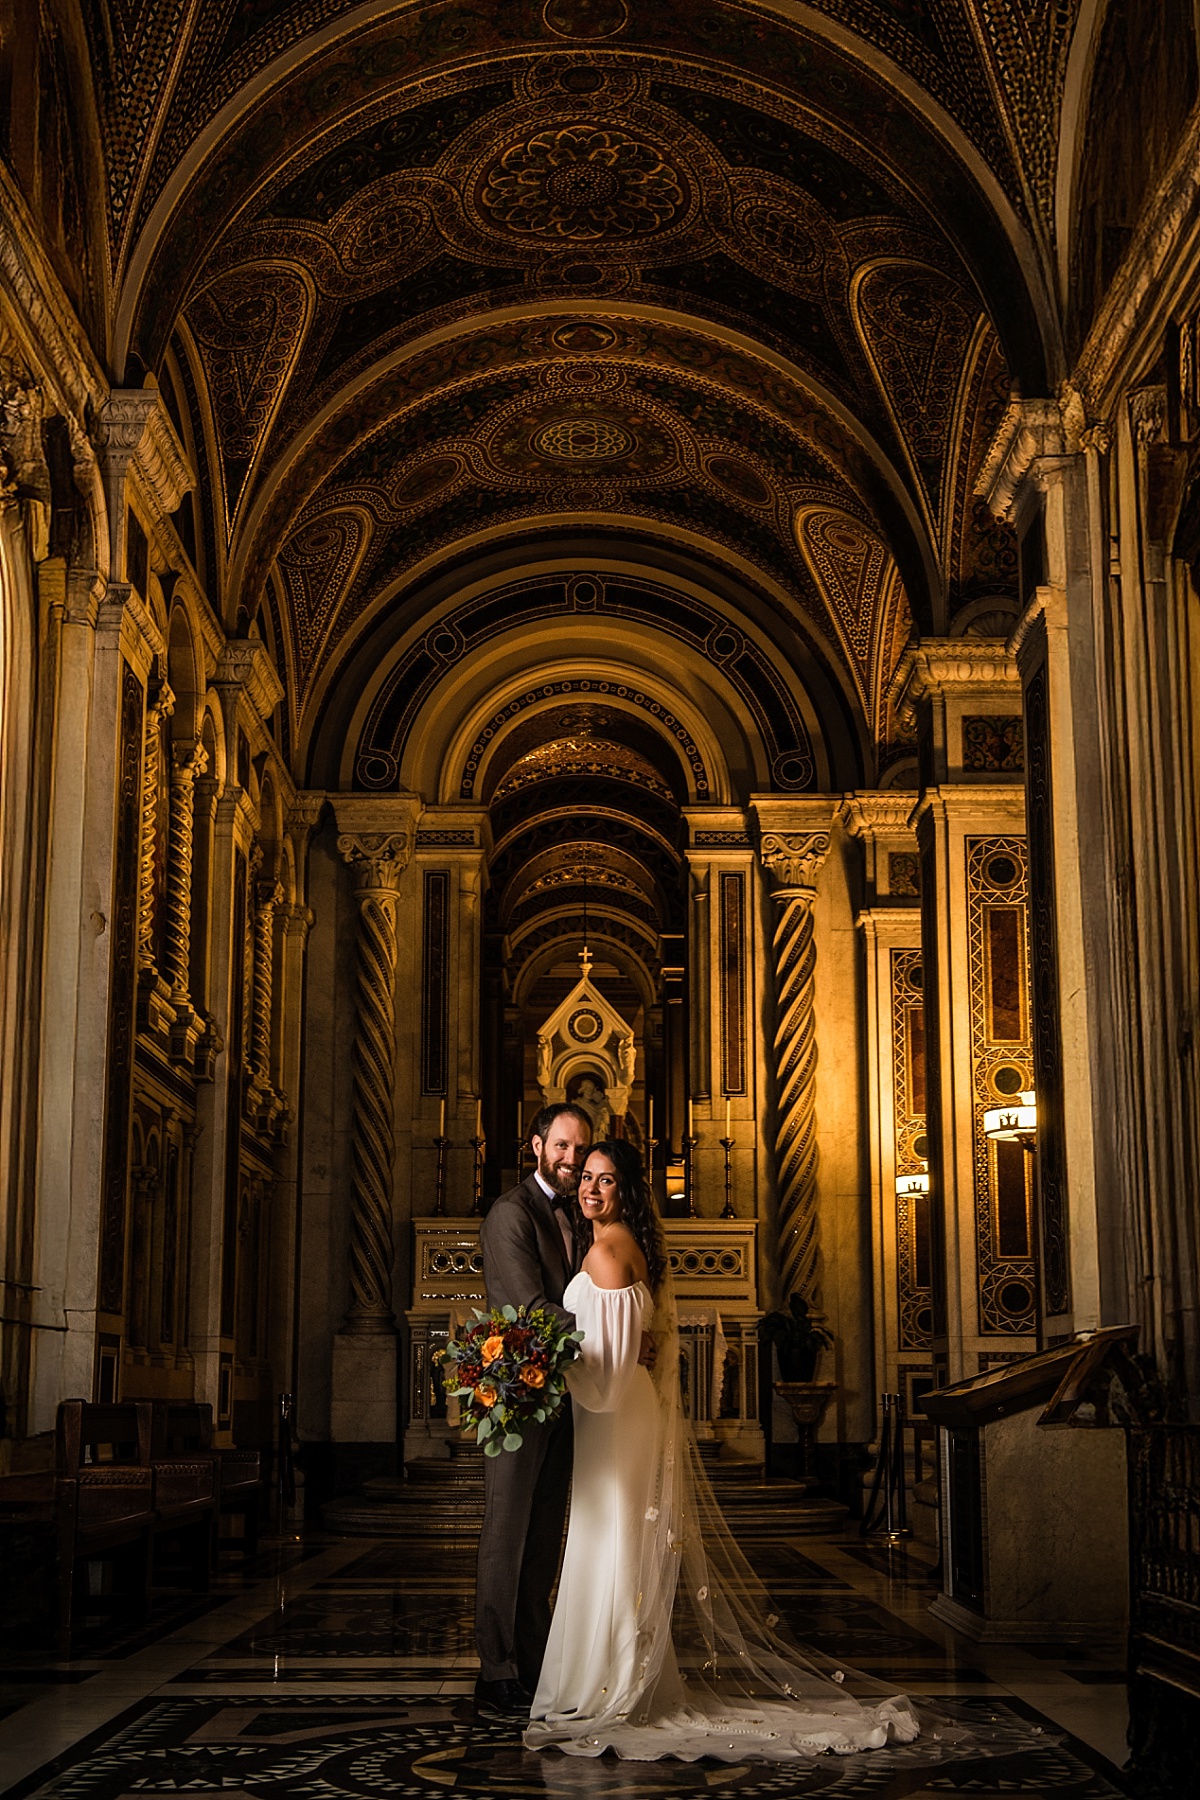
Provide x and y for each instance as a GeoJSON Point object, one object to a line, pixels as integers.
{"type": "Point", "coordinates": [545, 1119]}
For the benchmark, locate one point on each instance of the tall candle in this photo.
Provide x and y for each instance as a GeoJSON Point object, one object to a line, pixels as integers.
{"type": "Point", "coordinates": [728, 1133]}
{"type": "Point", "coordinates": [690, 1133]}
{"type": "Point", "coordinates": [650, 1118]}
{"type": "Point", "coordinates": [442, 1116]}
{"type": "Point", "coordinates": [520, 1121]}
{"type": "Point", "coordinates": [479, 1118]}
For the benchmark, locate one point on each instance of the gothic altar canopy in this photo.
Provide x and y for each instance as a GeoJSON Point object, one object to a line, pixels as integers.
{"type": "Point", "coordinates": [586, 1053]}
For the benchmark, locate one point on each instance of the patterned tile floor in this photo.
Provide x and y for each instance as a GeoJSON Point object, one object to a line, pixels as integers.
{"type": "Point", "coordinates": [342, 1670]}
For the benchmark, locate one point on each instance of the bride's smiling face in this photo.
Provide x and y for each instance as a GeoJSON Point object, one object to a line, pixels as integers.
{"type": "Point", "coordinates": [599, 1194]}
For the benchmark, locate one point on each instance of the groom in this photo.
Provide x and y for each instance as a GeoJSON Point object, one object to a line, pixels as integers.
{"type": "Point", "coordinates": [531, 1248]}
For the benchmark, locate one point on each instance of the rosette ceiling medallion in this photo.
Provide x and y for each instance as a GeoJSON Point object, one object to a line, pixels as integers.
{"type": "Point", "coordinates": [420, 279]}
{"type": "Point", "coordinates": [683, 324]}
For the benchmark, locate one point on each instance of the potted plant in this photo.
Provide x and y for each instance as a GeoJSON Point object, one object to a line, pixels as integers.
{"type": "Point", "coordinates": [797, 1338]}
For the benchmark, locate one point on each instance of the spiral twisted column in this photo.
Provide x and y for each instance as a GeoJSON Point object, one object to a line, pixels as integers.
{"type": "Point", "coordinates": [792, 860]}
{"type": "Point", "coordinates": [188, 763]}
{"type": "Point", "coordinates": [160, 708]}
{"type": "Point", "coordinates": [268, 899]}
{"type": "Point", "coordinates": [377, 861]}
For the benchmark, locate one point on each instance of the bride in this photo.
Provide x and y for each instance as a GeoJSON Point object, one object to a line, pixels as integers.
{"type": "Point", "coordinates": [661, 1643]}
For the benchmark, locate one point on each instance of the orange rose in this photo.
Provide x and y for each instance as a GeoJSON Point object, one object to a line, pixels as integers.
{"type": "Point", "coordinates": [532, 1376]}
{"type": "Point", "coordinates": [486, 1394]}
{"type": "Point", "coordinates": [493, 1348]}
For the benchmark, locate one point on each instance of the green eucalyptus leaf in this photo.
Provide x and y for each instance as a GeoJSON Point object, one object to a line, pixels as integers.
{"type": "Point", "coordinates": [492, 1448]}
{"type": "Point", "coordinates": [512, 1441]}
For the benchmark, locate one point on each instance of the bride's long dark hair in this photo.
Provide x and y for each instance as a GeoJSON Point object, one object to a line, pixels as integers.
{"type": "Point", "coordinates": [638, 1210]}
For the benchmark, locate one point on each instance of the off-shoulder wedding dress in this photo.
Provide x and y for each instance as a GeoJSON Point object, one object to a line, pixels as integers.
{"type": "Point", "coordinates": [662, 1643]}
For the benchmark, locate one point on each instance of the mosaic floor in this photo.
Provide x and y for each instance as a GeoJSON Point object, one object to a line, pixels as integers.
{"type": "Point", "coordinates": [342, 1670]}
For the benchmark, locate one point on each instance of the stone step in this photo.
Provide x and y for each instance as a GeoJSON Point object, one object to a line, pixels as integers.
{"type": "Point", "coordinates": [439, 1500]}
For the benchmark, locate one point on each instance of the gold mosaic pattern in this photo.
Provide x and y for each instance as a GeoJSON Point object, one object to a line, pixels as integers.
{"type": "Point", "coordinates": [1001, 1068]}
{"type": "Point", "coordinates": [913, 1250]}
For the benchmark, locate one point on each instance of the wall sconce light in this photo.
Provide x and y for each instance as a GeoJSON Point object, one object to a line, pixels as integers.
{"type": "Point", "coordinates": [1013, 1124]}
{"type": "Point", "coordinates": [907, 1185]}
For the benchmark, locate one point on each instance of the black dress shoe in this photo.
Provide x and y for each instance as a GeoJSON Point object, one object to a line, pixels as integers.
{"type": "Point", "coordinates": [505, 1699]}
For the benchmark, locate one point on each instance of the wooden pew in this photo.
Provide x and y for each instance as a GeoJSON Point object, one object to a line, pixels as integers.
{"type": "Point", "coordinates": [103, 1504]}
{"type": "Point", "coordinates": [183, 1429]}
{"type": "Point", "coordinates": [187, 1483]}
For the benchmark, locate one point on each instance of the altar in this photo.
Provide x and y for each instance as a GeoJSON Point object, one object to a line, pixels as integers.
{"type": "Point", "coordinates": [713, 1263]}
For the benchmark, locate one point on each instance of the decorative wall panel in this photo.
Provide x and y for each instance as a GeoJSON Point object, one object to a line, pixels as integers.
{"type": "Point", "coordinates": [1001, 1068]}
{"type": "Point", "coordinates": [733, 984]}
{"type": "Point", "coordinates": [121, 1001]}
{"type": "Point", "coordinates": [993, 744]}
{"type": "Point", "coordinates": [435, 993]}
{"type": "Point", "coordinates": [914, 1255]}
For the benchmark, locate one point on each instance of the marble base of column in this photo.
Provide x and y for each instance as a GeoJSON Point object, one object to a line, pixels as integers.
{"type": "Point", "coordinates": [363, 1401]}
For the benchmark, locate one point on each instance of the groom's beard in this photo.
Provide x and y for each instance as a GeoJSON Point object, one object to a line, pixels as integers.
{"type": "Point", "coordinates": [563, 1180]}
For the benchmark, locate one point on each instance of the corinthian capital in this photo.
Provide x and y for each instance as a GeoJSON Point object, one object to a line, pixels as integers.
{"type": "Point", "coordinates": [377, 859]}
{"type": "Point", "coordinates": [376, 836]}
{"type": "Point", "coordinates": [792, 858]}
{"type": "Point", "coordinates": [794, 836]}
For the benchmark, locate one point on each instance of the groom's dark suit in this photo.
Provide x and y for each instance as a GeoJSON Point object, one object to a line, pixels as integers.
{"type": "Point", "coordinates": [525, 1263]}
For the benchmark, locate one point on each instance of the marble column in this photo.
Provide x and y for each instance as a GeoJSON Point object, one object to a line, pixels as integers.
{"type": "Point", "coordinates": [268, 897]}
{"type": "Point", "coordinates": [376, 863]}
{"type": "Point", "coordinates": [188, 763]}
{"type": "Point", "coordinates": [1039, 477]}
{"type": "Point", "coordinates": [154, 997]}
{"type": "Point", "coordinates": [793, 843]}
{"type": "Point", "coordinates": [889, 925]}
{"type": "Point", "coordinates": [376, 840]}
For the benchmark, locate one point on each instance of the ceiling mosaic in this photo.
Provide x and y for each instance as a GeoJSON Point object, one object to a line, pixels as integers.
{"type": "Point", "coordinates": [427, 278]}
{"type": "Point", "coordinates": [166, 69]}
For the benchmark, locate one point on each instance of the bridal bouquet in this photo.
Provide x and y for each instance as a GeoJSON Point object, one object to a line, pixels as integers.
{"type": "Point", "coordinates": [507, 1371]}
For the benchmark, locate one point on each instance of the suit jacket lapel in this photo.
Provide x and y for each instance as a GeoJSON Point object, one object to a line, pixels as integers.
{"type": "Point", "coordinates": [544, 1209]}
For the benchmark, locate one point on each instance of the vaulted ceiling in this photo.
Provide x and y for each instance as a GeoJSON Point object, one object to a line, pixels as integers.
{"type": "Point", "coordinates": [747, 281]}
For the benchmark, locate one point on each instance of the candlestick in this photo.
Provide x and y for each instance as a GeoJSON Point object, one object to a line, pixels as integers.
{"type": "Point", "coordinates": [727, 1144]}
{"type": "Point", "coordinates": [477, 1144]}
{"type": "Point", "coordinates": [442, 1143]}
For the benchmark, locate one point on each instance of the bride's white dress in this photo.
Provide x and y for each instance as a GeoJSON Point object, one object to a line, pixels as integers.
{"type": "Point", "coordinates": [611, 1678]}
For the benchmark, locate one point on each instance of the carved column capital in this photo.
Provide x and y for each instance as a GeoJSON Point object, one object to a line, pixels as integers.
{"type": "Point", "coordinates": [792, 859]}
{"type": "Point", "coordinates": [377, 860]}
{"type": "Point", "coordinates": [189, 760]}
{"type": "Point", "coordinates": [376, 837]}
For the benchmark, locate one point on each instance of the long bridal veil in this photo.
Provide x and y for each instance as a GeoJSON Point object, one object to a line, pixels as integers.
{"type": "Point", "coordinates": [702, 1609]}
{"type": "Point", "coordinates": [715, 1672]}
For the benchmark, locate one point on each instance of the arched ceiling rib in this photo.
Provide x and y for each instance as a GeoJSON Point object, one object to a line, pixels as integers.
{"type": "Point", "coordinates": [432, 279]}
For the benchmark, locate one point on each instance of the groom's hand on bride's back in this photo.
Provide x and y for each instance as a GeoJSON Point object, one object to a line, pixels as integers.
{"type": "Point", "coordinates": [649, 1351]}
